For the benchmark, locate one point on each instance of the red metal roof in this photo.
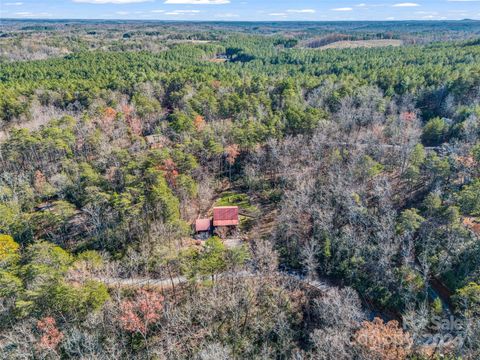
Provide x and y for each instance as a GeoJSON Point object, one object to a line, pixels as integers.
{"type": "Point", "coordinates": [202, 225]}
{"type": "Point", "coordinates": [225, 216]}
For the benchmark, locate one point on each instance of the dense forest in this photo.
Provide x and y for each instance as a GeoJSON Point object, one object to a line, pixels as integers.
{"type": "Point", "coordinates": [355, 169]}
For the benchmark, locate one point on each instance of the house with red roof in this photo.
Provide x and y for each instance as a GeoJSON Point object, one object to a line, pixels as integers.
{"type": "Point", "coordinates": [224, 218]}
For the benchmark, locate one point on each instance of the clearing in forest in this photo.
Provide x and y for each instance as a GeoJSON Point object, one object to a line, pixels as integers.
{"type": "Point", "coordinates": [347, 44]}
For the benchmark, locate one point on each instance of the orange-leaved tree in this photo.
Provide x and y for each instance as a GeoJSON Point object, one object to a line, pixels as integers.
{"type": "Point", "coordinates": [137, 314]}
{"type": "Point", "coordinates": [385, 341]}
{"type": "Point", "coordinates": [50, 335]}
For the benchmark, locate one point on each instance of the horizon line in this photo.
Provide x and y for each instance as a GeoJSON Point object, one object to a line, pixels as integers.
{"type": "Point", "coordinates": [231, 21]}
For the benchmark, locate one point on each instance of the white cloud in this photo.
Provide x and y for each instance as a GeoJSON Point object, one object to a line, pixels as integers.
{"type": "Point", "coordinates": [122, 13]}
{"type": "Point", "coordinates": [277, 14]}
{"type": "Point", "coordinates": [343, 9]}
{"type": "Point", "coordinates": [301, 11]}
{"type": "Point", "coordinates": [14, 3]}
{"type": "Point", "coordinates": [226, 15]}
{"type": "Point", "coordinates": [182, 12]}
{"type": "Point", "coordinates": [28, 14]}
{"type": "Point", "coordinates": [407, 4]}
{"type": "Point", "coordinates": [197, 2]}
{"type": "Point", "coordinates": [110, 1]}
{"type": "Point", "coordinates": [433, 17]}
{"type": "Point", "coordinates": [366, 6]}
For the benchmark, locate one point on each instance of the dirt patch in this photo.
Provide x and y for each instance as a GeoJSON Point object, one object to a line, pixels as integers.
{"type": "Point", "coordinates": [217, 60]}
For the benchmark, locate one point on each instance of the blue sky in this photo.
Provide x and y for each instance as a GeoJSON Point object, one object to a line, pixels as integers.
{"type": "Point", "coordinates": [236, 10]}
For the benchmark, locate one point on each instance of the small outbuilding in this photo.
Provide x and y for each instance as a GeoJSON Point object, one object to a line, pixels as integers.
{"type": "Point", "coordinates": [203, 228]}
{"type": "Point", "coordinates": [203, 225]}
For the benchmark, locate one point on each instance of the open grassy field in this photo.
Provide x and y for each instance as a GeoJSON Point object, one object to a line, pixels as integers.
{"type": "Point", "coordinates": [362, 44]}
